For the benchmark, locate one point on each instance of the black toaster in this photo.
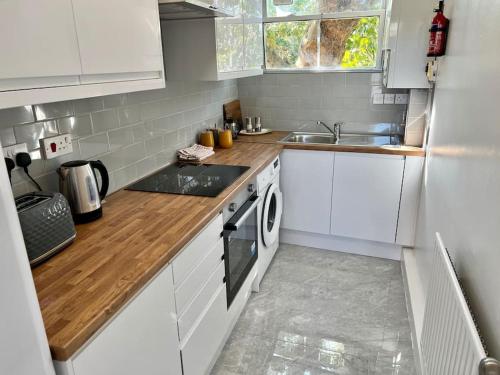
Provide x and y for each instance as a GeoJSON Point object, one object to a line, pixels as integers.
{"type": "Point", "coordinates": [46, 223]}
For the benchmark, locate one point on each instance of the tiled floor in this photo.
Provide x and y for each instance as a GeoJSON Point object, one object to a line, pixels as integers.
{"type": "Point", "coordinates": [321, 312]}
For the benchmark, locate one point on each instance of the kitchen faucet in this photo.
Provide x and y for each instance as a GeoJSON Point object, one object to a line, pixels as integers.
{"type": "Point", "coordinates": [336, 128]}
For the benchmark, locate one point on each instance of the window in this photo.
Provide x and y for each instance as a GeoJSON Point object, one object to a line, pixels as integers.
{"type": "Point", "coordinates": [323, 34]}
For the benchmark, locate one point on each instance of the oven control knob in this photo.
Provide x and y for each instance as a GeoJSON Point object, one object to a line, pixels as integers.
{"type": "Point", "coordinates": [251, 188]}
{"type": "Point", "coordinates": [233, 207]}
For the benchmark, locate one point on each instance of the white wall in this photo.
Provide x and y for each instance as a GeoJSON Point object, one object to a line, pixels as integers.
{"type": "Point", "coordinates": [461, 192]}
{"type": "Point", "coordinates": [24, 349]}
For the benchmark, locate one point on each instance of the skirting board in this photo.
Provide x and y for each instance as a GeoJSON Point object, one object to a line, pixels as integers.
{"type": "Point", "coordinates": [342, 244]}
{"type": "Point", "coordinates": [415, 302]}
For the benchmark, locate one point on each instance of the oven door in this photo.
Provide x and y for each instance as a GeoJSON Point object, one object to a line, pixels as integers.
{"type": "Point", "coordinates": [240, 246]}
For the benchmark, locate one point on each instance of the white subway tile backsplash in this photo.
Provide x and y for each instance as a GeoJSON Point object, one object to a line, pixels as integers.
{"type": "Point", "coordinates": [133, 134]}
{"type": "Point", "coordinates": [111, 101]}
{"type": "Point", "coordinates": [31, 133]}
{"type": "Point", "coordinates": [129, 115]}
{"type": "Point", "coordinates": [154, 145]}
{"type": "Point", "coordinates": [14, 116]}
{"type": "Point", "coordinates": [7, 136]}
{"type": "Point", "coordinates": [77, 126]}
{"type": "Point", "coordinates": [104, 120]}
{"type": "Point", "coordinates": [297, 101]}
{"type": "Point", "coordinates": [120, 137]}
{"type": "Point", "coordinates": [55, 110]}
{"type": "Point", "coordinates": [94, 145]}
{"type": "Point", "coordinates": [88, 105]}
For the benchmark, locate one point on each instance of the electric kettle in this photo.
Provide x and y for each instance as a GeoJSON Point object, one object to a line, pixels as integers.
{"type": "Point", "coordinates": [78, 183]}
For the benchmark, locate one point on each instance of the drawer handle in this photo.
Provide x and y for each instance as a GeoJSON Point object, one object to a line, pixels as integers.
{"type": "Point", "coordinates": [224, 279]}
{"type": "Point", "coordinates": [221, 234]}
{"type": "Point", "coordinates": [222, 257]}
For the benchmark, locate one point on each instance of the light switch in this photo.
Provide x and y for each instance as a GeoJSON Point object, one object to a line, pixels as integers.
{"type": "Point", "coordinates": [378, 98]}
{"type": "Point", "coordinates": [389, 98]}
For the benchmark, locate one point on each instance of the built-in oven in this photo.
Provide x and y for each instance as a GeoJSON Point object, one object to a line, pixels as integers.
{"type": "Point", "coordinates": [240, 244]}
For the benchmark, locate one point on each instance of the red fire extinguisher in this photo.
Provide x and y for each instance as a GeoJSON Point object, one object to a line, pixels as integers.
{"type": "Point", "coordinates": [438, 33]}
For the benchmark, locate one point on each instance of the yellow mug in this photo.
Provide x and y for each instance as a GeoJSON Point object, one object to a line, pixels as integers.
{"type": "Point", "coordinates": [207, 139]}
{"type": "Point", "coordinates": [226, 139]}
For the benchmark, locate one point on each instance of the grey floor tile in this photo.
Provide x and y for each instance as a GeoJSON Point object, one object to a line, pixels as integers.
{"type": "Point", "coordinates": [322, 312]}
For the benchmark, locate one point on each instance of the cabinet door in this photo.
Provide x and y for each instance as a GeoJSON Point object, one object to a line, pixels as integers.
{"type": "Point", "coordinates": [366, 196]}
{"type": "Point", "coordinates": [254, 49]}
{"type": "Point", "coordinates": [306, 183]}
{"type": "Point", "coordinates": [229, 35]}
{"type": "Point", "coordinates": [142, 339]}
{"type": "Point", "coordinates": [37, 39]}
{"type": "Point", "coordinates": [118, 36]}
{"type": "Point", "coordinates": [199, 352]}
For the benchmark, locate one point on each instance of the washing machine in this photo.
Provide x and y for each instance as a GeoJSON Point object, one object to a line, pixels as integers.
{"type": "Point", "coordinates": [269, 215]}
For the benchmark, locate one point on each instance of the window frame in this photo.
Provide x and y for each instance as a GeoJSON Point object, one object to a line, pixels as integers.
{"type": "Point", "coordinates": [324, 16]}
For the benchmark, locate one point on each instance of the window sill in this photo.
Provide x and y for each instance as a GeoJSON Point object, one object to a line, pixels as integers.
{"type": "Point", "coordinates": [302, 71]}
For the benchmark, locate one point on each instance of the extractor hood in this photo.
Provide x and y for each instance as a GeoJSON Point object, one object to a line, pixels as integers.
{"type": "Point", "coordinates": [189, 9]}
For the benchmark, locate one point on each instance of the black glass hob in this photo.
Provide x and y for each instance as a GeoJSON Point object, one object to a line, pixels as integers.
{"type": "Point", "coordinates": [207, 180]}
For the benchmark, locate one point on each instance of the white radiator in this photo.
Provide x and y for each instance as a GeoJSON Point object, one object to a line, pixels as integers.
{"type": "Point", "coordinates": [450, 342]}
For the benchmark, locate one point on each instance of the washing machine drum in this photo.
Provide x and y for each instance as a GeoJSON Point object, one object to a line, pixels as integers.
{"type": "Point", "coordinates": [271, 214]}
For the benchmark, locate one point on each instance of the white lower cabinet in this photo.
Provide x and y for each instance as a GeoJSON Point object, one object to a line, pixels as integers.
{"type": "Point", "coordinates": [366, 196]}
{"type": "Point", "coordinates": [201, 347]}
{"type": "Point", "coordinates": [337, 197]}
{"type": "Point", "coordinates": [306, 183]}
{"type": "Point", "coordinates": [142, 339]}
{"type": "Point", "coordinates": [182, 313]}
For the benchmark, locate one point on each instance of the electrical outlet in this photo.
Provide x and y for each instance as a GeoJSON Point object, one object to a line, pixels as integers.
{"type": "Point", "coordinates": [58, 145]}
{"type": "Point", "coordinates": [401, 99]}
{"type": "Point", "coordinates": [378, 98]}
{"type": "Point", "coordinates": [11, 151]}
{"type": "Point", "coordinates": [389, 98]}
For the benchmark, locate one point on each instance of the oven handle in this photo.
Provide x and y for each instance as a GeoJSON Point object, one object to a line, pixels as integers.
{"type": "Point", "coordinates": [231, 227]}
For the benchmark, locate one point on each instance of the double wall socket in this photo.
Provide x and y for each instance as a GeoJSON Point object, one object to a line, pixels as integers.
{"type": "Point", "coordinates": [11, 151]}
{"type": "Point", "coordinates": [52, 147]}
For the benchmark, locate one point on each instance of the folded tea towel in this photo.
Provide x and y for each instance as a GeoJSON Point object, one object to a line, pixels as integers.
{"type": "Point", "coordinates": [195, 153]}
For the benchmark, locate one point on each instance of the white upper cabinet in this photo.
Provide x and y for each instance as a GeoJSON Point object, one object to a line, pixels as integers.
{"type": "Point", "coordinates": [366, 196]}
{"type": "Point", "coordinates": [406, 41]}
{"type": "Point", "coordinates": [306, 183]}
{"type": "Point", "coordinates": [230, 49]}
{"type": "Point", "coordinates": [254, 51]}
{"type": "Point", "coordinates": [216, 49]}
{"type": "Point", "coordinates": [118, 36]}
{"type": "Point", "coordinates": [63, 49]}
{"type": "Point", "coordinates": [37, 40]}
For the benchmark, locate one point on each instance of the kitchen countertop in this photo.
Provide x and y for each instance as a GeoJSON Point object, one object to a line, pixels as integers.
{"type": "Point", "coordinates": [81, 288]}
{"type": "Point", "coordinates": [275, 136]}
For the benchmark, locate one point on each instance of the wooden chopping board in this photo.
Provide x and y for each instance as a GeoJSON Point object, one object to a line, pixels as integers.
{"type": "Point", "coordinates": [233, 110]}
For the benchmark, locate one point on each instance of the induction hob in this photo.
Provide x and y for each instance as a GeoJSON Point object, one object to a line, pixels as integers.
{"type": "Point", "coordinates": [207, 180]}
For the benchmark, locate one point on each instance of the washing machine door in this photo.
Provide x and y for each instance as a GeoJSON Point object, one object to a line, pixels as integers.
{"type": "Point", "coordinates": [271, 214]}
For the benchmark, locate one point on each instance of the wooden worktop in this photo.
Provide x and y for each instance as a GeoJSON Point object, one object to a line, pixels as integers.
{"type": "Point", "coordinates": [275, 136]}
{"type": "Point", "coordinates": [115, 256]}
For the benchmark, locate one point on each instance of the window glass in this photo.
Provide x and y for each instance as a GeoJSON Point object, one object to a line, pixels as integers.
{"type": "Point", "coordinates": [310, 7]}
{"type": "Point", "coordinates": [349, 43]}
{"type": "Point", "coordinates": [285, 44]}
{"type": "Point", "coordinates": [344, 43]}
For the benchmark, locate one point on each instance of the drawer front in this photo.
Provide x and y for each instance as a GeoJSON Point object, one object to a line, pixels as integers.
{"type": "Point", "coordinates": [196, 251]}
{"type": "Point", "coordinates": [197, 307]}
{"type": "Point", "coordinates": [191, 286]}
{"type": "Point", "coordinates": [199, 352]}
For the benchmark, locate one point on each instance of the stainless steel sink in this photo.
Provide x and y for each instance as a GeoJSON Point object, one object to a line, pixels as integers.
{"type": "Point", "coordinates": [309, 138]}
{"type": "Point", "coordinates": [345, 139]}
